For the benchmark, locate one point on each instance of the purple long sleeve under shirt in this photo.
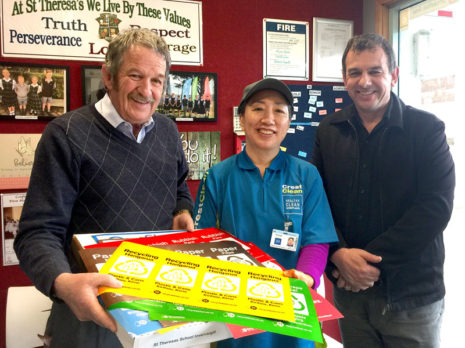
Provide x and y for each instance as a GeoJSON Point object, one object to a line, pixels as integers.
{"type": "Point", "coordinates": [312, 260]}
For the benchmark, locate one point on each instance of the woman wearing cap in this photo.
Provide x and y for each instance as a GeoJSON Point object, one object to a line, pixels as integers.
{"type": "Point", "coordinates": [265, 196]}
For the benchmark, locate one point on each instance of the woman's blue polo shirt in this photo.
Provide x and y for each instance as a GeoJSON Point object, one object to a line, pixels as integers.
{"type": "Point", "coordinates": [234, 196]}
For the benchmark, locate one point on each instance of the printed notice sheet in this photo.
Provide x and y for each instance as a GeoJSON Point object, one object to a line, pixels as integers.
{"type": "Point", "coordinates": [285, 49]}
{"type": "Point", "coordinates": [164, 275]}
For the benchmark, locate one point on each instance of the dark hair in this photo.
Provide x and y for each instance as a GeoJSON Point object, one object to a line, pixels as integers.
{"type": "Point", "coordinates": [369, 42]}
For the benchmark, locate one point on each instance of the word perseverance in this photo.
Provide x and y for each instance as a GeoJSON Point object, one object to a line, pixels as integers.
{"type": "Point", "coordinates": [38, 39]}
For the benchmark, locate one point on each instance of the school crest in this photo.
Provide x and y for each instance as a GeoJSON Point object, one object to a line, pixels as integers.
{"type": "Point", "coordinates": [108, 26]}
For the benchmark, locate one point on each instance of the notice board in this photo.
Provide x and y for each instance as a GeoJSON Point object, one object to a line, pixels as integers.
{"type": "Point", "coordinates": [312, 103]}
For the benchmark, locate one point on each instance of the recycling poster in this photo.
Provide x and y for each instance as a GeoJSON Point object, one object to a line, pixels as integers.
{"type": "Point", "coordinates": [305, 326]}
{"type": "Point", "coordinates": [168, 276]}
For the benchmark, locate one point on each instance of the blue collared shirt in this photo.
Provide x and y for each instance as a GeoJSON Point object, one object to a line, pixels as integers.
{"type": "Point", "coordinates": [236, 198]}
{"type": "Point", "coordinates": [108, 111]}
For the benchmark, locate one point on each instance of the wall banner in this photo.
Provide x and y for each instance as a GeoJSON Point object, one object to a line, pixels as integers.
{"type": "Point", "coordinates": [81, 29]}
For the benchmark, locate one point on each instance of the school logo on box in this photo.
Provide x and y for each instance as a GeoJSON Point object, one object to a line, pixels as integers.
{"type": "Point", "coordinates": [108, 26]}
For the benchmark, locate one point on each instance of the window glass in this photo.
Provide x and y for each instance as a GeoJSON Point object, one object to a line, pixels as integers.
{"type": "Point", "coordinates": [428, 37]}
{"type": "Point", "coordinates": [430, 58]}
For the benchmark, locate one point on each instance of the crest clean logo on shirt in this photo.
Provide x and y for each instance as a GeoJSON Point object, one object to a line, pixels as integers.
{"type": "Point", "coordinates": [292, 199]}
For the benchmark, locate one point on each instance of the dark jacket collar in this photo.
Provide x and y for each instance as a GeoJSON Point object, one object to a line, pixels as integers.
{"type": "Point", "coordinates": [394, 113]}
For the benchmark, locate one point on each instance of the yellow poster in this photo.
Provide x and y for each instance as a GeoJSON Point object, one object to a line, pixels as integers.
{"type": "Point", "coordinates": [169, 276]}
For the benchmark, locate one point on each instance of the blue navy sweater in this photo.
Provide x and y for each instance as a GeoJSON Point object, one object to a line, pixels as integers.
{"type": "Point", "coordinates": [88, 178]}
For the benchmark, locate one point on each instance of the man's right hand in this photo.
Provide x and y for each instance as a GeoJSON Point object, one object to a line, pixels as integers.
{"type": "Point", "coordinates": [355, 271]}
{"type": "Point", "coordinates": [79, 291]}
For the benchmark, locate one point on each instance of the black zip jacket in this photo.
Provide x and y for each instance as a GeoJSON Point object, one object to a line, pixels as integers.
{"type": "Point", "coordinates": [417, 178]}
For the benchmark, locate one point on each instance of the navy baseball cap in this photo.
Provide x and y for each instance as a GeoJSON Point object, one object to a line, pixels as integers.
{"type": "Point", "coordinates": [268, 83]}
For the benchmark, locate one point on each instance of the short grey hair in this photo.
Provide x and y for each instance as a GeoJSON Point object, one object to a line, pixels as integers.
{"type": "Point", "coordinates": [130, 37]}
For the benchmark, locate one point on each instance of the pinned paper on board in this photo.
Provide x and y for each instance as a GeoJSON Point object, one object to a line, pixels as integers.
{"type": "Point", "coordinates": [313, 103]}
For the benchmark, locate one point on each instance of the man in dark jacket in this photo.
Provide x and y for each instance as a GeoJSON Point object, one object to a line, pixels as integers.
{"type": "Point", "coordinates": [390, 180]}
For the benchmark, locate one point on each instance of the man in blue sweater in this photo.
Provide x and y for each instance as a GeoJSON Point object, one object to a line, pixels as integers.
{"type": "Point", "coordinates": [109, 167]}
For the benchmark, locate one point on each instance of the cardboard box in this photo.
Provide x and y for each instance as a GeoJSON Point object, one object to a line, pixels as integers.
{"type": "Point", "coordinates": [177, 237]}
{"type": "Point", "coordinates": [83, 240]}
{"type": "Point", "coordinates": [136, 330]}
{"type": "Point", "coordinates": [140, 331]}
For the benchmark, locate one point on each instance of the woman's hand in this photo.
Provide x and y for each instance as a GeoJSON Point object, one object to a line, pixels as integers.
{"type": "Point", "coordinates": [293, 273]}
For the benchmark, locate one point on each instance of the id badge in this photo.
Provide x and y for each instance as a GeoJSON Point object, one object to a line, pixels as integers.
{"type": "Point", "coordinates": [284, 240]}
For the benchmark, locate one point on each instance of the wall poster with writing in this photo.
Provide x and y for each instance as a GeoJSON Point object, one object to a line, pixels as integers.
{"type": "Point", "coordinates": [202, 150]}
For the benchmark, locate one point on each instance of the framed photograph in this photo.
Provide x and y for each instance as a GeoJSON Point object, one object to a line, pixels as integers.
{"type": "Point", "coordinates": [190, 96]}
{"type": "Point", "coordinates": [32, 91]}
{"type": "Point", "coordinates": [330, 37]}
{"type": "Point", "coordinates": [17, 153]}
{"type": "Point", "coordinates": [202, 150]}
{"type": "Point", "coordinates": [12, 206]}
{"type": "Point", "coordinates": [92, 84]}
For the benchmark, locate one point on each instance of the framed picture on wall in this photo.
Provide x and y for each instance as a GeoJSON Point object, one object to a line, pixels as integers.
{"type": "Point", "coordinates": [32, 91]}
{"type": "Point", "coordinates": [202, 150]}
{"type": "Point", "coordinates": [92, 84]}
{"type": "Point", "coordinates": [190, 96]}
{"type": "Point", "coordinates": [17, 154]}
{"type": "Point", "coordinates": [330, 37]}
{"type": "Point", "coordinates": [11, 208]}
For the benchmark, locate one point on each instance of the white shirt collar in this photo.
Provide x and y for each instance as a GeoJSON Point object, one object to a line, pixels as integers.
{"type": "Point", "coordinates": [105, 107]}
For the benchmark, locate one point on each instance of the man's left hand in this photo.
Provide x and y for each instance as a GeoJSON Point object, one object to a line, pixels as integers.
{"type": "Point", "coordinates": [183, 221]}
